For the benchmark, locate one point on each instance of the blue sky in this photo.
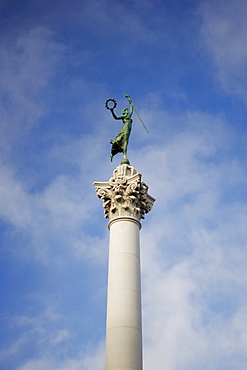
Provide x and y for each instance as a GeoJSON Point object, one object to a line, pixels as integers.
{"type": "Point", "coordinates": [184, 63]}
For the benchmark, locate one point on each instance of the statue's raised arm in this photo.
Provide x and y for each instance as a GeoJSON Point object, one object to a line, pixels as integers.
{"type": "Point", "coordinates": [131, 108]}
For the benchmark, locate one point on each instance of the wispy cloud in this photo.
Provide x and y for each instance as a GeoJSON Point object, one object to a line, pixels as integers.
{"type": "Point", "coordinates": [194, 250]}
{"type": "Point", "coordinates": [224, 31]}
{"type": "Point", "coordinates": [93, 360]}
{"type": "Point", "coordinates": [28, 62]}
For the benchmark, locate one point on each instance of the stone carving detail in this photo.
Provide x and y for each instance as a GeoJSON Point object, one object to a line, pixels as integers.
{"type": "Point", "coordinates": [125, 194]}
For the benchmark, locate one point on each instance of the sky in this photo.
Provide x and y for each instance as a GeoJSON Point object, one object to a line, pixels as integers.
{"type": "Point", "coordinates": [184, 64]}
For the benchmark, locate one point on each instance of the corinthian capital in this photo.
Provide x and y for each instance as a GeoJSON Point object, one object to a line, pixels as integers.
{"type": "Point", "coordinates": [125, 194]}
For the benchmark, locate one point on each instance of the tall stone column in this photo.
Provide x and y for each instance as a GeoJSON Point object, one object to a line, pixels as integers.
{"type": "Point", "coordinates": [126, 201]}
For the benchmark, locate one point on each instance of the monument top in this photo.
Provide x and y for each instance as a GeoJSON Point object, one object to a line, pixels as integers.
{"type": "Point", "coordinates": [125, 195]}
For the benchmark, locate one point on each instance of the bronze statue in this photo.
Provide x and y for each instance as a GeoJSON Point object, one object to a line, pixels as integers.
{"type": "Point", "coordinates": [120, 143]}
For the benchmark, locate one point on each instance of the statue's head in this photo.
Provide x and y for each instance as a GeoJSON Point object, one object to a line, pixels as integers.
{"type": "Point", "coordinates": [125, 111]}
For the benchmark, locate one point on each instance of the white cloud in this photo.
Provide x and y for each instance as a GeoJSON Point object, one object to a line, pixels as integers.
{"type": "Point", "coordinates": [194, 249]}
{"type": "Point", "coordinates": [224, 31]}
{"type": "Point", "coordinates": [28, 62]}
{"type": "Point", "coordinates": [92, 360]}
{"type": "Point", "coordinates": [15, 207]}
{"type": "Point", "coordinates": [114, 19]}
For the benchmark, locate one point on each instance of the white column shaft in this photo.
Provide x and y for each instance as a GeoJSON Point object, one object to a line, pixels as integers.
{"type": "Point", "coordinates": [124, 323]}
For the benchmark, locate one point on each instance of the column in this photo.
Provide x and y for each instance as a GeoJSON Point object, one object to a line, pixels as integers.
{"type": "Point", "coordinates": [126, 201]}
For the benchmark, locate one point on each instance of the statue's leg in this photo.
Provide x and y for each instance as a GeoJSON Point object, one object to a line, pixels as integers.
{"type": "Point", "coordinates": [125, 150]}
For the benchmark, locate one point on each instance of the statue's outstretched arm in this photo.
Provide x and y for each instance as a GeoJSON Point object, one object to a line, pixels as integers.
{"type": "Point", "coordinates": [114, 115]}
